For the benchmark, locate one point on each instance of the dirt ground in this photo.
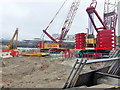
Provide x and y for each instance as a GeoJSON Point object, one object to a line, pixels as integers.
{"type": "Point", "coordinates": [36, 72]}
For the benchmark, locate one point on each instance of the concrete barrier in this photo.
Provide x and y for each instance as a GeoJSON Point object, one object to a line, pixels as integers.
{"type": "Point", "coordinates": [6, 55]}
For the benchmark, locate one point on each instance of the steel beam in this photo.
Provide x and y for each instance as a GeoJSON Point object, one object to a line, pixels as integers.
{"type": "Point", "coordinates": [101, 60]}
{"type": "Point", "coordinates": [110, 75]}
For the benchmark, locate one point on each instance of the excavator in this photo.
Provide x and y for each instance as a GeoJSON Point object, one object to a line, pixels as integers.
{"type": "Point", "coordinates": [11, 42]}
{"type": "Point", "coordinates": [14, 51]}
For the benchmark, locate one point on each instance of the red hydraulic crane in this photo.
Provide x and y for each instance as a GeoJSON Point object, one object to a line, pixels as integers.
{"type": "Point", "coordinates": [106, 36]}
{"type": "Point", "coordinates": [90, 40]}
{"type": "Point", "coordinates": [67, 24]}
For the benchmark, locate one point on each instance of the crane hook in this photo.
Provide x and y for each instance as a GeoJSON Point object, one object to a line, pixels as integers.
{"type": "Point", "coordinates": [93, 4]}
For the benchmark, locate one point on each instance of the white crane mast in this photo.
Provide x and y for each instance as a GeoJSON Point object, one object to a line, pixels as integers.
{"type": "Point", "coordinates": [110, 13]}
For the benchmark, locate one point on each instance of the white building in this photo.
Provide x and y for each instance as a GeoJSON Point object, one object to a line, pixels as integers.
{"type": "Point", "coordinates": [70, 38]}
{"type": "Point", "coordinates": [67, 38]}
{"type": "Point", "coordinates": [56, 36]}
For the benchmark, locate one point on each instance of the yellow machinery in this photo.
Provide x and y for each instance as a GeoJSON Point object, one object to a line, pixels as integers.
{"type": "Point", "coordinates": [35, 54]}
{"type": "Point", "coordinates": [51, 45]}
{"type": "Point", "coordinates": [11, 42]}
{"type": "Point", "coordinates": [90, 41]}
{"type": "Point", "coordinates": [43, 45]}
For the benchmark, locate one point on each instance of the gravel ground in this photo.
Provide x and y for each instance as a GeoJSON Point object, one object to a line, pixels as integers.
{"type": "Point", "coordinates": [37, 72]}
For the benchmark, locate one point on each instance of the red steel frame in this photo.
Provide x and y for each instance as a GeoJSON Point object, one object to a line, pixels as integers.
{"type": "Point", "coordinates": [92, 10]}
{"type": "Point", "coordinates": [54, 40]}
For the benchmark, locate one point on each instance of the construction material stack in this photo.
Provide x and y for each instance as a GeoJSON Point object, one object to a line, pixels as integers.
{"type": "Point", "coordinates": [106, 39]}
{"type": "Point", "coordinates": [80, 40]}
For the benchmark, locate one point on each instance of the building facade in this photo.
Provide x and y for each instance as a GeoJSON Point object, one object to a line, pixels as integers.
{"type": "Point", "coordinates": [68, 37]}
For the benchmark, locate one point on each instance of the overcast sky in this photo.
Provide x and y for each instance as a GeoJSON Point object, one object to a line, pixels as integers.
{"type": "Point", "coordinates": [32, 16]}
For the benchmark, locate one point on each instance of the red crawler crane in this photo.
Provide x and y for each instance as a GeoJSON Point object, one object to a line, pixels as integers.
{"type": "Point", "coordinates": [106, 37]}
{"type": "Point", "coordinates": [67, 24]}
